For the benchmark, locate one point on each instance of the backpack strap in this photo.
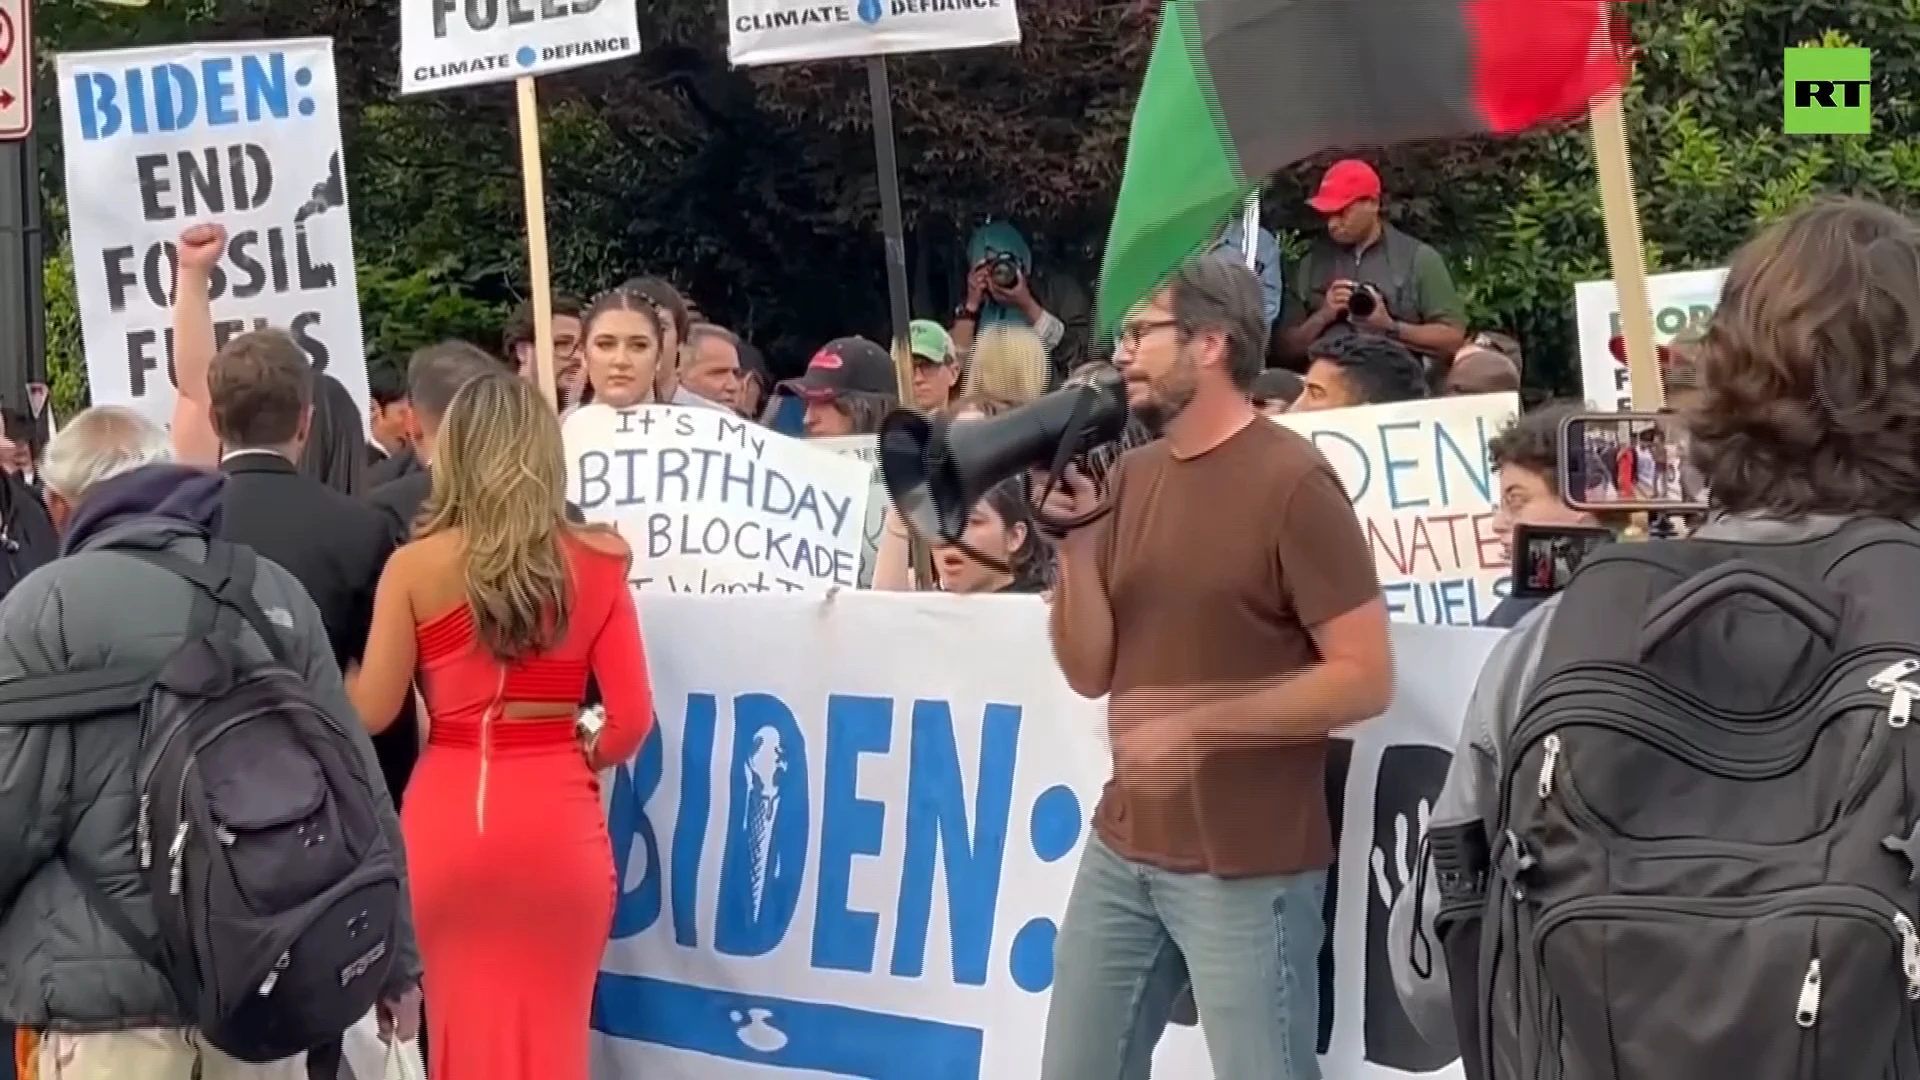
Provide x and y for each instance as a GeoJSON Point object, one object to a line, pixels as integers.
{"type": "Point", "coordinates": [86, 695]}
{"type": "Point", "coordinates": [227, 576]}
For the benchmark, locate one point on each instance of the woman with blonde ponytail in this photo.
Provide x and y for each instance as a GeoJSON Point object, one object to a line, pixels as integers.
{"type": "Point", "coordinates": [501, 609]}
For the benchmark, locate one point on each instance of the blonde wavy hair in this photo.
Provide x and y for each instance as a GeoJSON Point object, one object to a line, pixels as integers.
{"type": "Point", "coordinates": [1008, 362]}
{"type": "Point", "coordinates": [500, 477]}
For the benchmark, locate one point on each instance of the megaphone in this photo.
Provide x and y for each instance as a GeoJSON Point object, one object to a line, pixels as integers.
{"type": "Point", "coordinates": [935, 471]}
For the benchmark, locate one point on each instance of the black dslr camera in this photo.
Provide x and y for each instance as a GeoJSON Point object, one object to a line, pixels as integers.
{"type": "Point", "coordinates": [1004, 269]}
{"type": "Point", "coordinates": [1364, 299]}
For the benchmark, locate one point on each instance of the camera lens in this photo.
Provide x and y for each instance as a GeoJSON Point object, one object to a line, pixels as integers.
{"type": "Point", "coordinates": [1360, 302]}
{"type": "Point", "coordinates": [1006, 272]}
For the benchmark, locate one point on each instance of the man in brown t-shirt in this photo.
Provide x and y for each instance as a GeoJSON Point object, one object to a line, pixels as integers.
{"type": "Point", "coordinates": [1227, 606]}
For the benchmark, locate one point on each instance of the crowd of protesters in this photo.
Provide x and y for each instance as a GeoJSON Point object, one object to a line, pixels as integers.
{"type": "Point", "coordinates": [449, 611]}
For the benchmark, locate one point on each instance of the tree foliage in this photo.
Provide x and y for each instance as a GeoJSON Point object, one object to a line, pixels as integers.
{"type": "Point", "coordinates": [756, 190]}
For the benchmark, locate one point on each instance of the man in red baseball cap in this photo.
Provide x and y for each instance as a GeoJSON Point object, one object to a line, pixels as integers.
{"type": "Point", "coordinates": [1365, 276]}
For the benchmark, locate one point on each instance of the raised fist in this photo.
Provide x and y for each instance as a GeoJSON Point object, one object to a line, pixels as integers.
{"type": "Point", "coordinates": [201, 246]}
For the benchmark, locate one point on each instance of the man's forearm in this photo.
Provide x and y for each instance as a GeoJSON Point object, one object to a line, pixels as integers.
{"type": "Point", "coordinates": [1296, 340]}
{"type": "Point", "coordinates": [1310, 704]}
{"type": "Point", "coordinates": [1437, 339]}
{"type": "Point", "coordinates": [1081, 622]}
{"type": "Point", "coordinates": [194, 440]}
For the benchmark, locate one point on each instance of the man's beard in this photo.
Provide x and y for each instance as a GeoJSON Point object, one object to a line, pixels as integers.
{"type": "Point", "coordinates": [1167, 399]}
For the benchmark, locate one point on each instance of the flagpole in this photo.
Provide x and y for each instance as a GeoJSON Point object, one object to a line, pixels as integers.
{"type": "Point", "coordinates": [1625, 250]}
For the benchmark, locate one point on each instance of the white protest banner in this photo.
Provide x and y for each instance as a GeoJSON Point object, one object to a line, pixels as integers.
{"type": "Point", "coordinates": [449, 43]}
{"type": "Point", "coordinates": [713, 503]}
{"type": "Point", "coordinates": [843, 860]}
{"type": "Point", "coordinates": [1680, 300]}
{"type": "Point", "coordinates": [784, 31]}
{"type": "Point", "coordinates": [867, 449]}
{"type": "Point", "coordinates": [1424, 490]}
{"type": "Point", "coordinates": [245, 134]}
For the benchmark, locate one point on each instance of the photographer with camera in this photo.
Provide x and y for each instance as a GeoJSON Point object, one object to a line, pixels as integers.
{"type": "Point", "coordinates": [1364, 275]}
{"type": "Point", "coordinates": [1005, 289]}
{"type": "Point", "coordinates": [1223, 598]}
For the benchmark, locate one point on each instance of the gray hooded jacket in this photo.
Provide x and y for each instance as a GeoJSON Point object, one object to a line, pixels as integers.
{"type": "Point", "coordinates": [70, 788]}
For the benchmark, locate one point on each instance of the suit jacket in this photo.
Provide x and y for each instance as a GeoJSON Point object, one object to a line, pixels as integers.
{"type": "Point", "coordinates": [399, 502]}
{"type": "Point", "coordinates": [392, 468]}
{"type": "Point", "coordinates": [335, 545]}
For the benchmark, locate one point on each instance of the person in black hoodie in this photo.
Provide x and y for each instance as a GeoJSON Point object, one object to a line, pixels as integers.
{"type": "Point", "coordinates": [27, 537]}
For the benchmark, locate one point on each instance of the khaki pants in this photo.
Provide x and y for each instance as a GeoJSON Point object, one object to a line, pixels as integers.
{"type": "Point", "coordinates": [150, 1054]}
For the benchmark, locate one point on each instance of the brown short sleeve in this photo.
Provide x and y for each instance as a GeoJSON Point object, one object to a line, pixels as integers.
{"type": "Point", "coordinates": [1324, 558]}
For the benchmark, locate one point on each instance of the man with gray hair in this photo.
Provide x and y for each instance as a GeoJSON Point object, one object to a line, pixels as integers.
{"type": "Point", "coordinates": [77, 922]}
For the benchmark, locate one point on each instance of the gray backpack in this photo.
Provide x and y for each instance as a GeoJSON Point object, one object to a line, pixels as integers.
{"type": "Point", "coordinates": [273, 887]}
{"type": "Point", "coordinates": [1707, 833]}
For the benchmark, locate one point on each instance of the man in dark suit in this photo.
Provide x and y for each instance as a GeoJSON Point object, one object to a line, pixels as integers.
{"type": "Point", "coordinates": [389, 424]}
{"type": "Point", "coordinates": [261, 387]}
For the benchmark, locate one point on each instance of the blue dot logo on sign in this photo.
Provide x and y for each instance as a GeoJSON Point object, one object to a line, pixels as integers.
{"type": "Point", "coordinates": [526, 56]}
{"type": "Point", "coordinates": [1055, 824]}
{"type": "Point", "coordinates": [870, 11]}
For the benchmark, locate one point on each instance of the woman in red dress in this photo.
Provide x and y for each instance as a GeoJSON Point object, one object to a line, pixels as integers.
{"type": "Point", "coordinates": [500, 608]}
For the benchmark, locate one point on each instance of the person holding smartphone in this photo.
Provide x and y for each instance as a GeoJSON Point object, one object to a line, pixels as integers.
{"type": "Point", "coordinates": [1526, 455]}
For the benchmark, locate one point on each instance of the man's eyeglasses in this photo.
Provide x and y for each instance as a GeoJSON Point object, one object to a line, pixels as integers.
{"type": "Point", "coordinates": [1133, 333]}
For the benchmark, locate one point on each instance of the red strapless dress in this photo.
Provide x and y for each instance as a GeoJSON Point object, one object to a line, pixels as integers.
{"type": "Point", "coordinates": [511, 868]}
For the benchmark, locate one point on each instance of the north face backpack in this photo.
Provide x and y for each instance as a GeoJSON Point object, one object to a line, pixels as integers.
{"type": "Point", "coordinates": [274, 887]}
{"type": "Point", "coordinates": [1706, 838]}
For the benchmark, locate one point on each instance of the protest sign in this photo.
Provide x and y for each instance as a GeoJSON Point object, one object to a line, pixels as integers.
{"type": "Point", "coordinates": [1424, 490]}
{"type": "Point", "coordinates": [712, 503]}
{"type": "Point", "coordinates": [1680, 300]}
{"type": "Point", "coordinates": [449, 43]}
{"type": "Point", "coordinates": [867, 449]}
{"type": "Point", "coordinates": [842, 860]}
{"type": "Point", "coordinates": [784, 31]}
{"type": "Point", "coordinates": [245, 134]}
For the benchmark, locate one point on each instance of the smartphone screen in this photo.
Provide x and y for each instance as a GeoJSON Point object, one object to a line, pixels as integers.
{"type": "Point", "coordinates": [1545, 557]}
{"type": "Point", "coordinates": [1628, 462]}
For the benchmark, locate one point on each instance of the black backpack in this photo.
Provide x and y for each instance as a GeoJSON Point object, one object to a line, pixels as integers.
{"type": "Point", "coordinates": [274, 887]}
{"type": "Point", "coordinates": [1706, 838]}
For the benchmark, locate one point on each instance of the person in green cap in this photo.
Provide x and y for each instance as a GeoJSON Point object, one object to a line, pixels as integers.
{"type": "Point", "coordinates": [936, 366]}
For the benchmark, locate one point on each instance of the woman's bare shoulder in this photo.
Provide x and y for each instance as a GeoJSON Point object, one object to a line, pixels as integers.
{"type": "Point", "coordinates": [423, 557]}
{"type": "Point", "coordinates": [604, 540]}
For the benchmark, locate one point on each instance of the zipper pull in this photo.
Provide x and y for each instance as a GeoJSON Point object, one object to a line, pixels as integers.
{"type": "Point", "coordinates": [1547, 763]}
{"type": "Point", "coordinates": [1909, 953]}
{"type": "Point", "coordinates": [273, 977]}
{"type": "Point", "coordinates": [176, 854]}
{"type": "Point", "coordinates": [144, 832]}
{"type": "Point", "coordinates": [1892, 680]}
{"type": "Point", "coordinates": [1809, 1008]}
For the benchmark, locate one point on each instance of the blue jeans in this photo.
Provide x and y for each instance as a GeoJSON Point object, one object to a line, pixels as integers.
{"type": "Point", "coordinates": [1133, 935]}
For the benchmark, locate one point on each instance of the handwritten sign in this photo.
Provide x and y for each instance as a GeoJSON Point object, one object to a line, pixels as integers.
{"type": "Point", "coordinates": [867, 449]}
{"type": "Point", "coordinates": [1424, 490]}
{"type": "Point", "coordinates": [1680, 301]}
{"type": "Point", "coordinates": [714, 504]}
